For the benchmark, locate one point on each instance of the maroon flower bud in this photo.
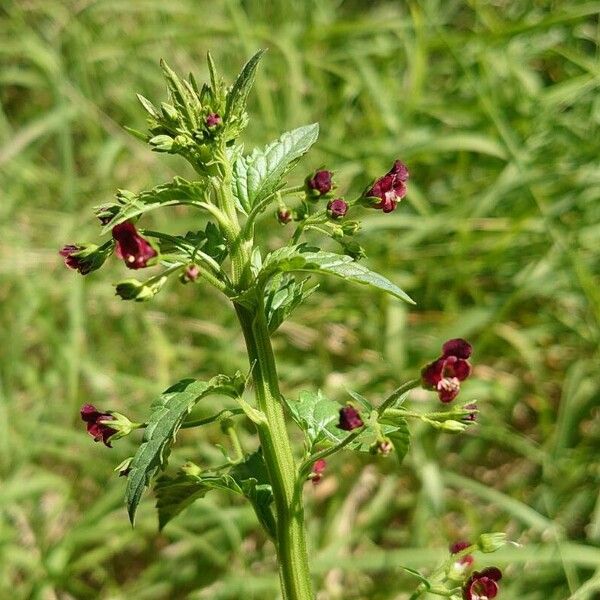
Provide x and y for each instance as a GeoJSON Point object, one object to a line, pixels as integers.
{"type": "Point", "coordinates": [213, 120]}
{"type": "Point", "coordinates": [284, 215]}
{"type": "Point", "coordinates": [456, 547]}
{"type": "Point", "coordinates": [96, 428]}
{"type": "Point", "coordinates": [320, 183]}
{"type": "Point", "coordinates": [191, 273]}
{"type": "Point", "coordinates": [349, 418]}
{"type": "Point", "coordinates": [472, 416]}
{"type": "Point", "coordinates": [318, 470]}
{"type": "Point", "coordinates": [131, 247]}
{"type": "Point", "coordinates": [383, 447]}
{"type": "Point", "coordinates": [445, 374]}
{"type": "Point", "coordinates": [389, 189]}
{"type": "Point", "coordinates": [69, 253]}
{"type": "Point", "coordinates": [482, 585]}
{"type": "Point", "coordinates": [337, 208]}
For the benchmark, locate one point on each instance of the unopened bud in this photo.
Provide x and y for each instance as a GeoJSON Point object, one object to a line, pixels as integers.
{"type": "Point", "coordinates": [490, 542]}
{"type": "Point", "coordinates": [132, 289]}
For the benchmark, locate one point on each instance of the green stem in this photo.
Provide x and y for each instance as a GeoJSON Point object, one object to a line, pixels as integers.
{"type": "Point", "coordinates": [290, 534]}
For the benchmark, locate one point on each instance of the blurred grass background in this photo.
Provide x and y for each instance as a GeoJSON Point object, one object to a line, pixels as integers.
{"type": "Point", "coordinates": [495, 108]}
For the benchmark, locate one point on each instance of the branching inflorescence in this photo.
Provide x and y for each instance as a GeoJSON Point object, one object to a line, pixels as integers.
{"type": "Point", "coordinates": [203, 124]}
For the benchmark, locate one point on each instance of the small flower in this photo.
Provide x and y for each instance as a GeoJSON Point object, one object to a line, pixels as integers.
{"type": "Point", "coordinates": [337, 208]}
{"type": "Point", "coordinates": [213, 120]}
{"type": "Point", "coordinates": [317, 471]}
{"type": "Point", "coordinates": [284, 216]}
{"type": "Point", "coordinates": [482, 585]}
{"type": "Point", "coordinates": [85, 258]}
{"type": "Point", "coordinates": [389, 189]}
{"type": "Point", "coordinates": [445, 374]}
{"type": "Point", "coordinates": [459, 546]}
{"type": "Point", "coordinates": [191, 273]}
{"type": "Point", "coordinates": [96, 428]}
{"type": "Point", "coordinates": [320, 183]}
{"type": "Point", "coordinates": [382, 446]}
{"type": "Point", "coordinates": [131, 247]}
{"type": "Point", "coordinates": [349, 418]}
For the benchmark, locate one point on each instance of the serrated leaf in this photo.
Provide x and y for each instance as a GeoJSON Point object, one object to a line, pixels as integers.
{"type": "Point", "coordinates": [258, 175]}
{"type": "Point", "coordinates": [400, 438]}
{"type": "Point", "coordinates": [238, 95]}
{"type": "Point", "coordinates": [130, 205]}
{"type": "Point", "coordinates": [283, 297]}
{"type": "Point", "coordinates": [174, 494]}
{"type": "Point", "coordinates": [317, 416]}
{"type": "Point", "coordinates": [299, 258]}
{"type": "Point", "coordinates": [167, 414]}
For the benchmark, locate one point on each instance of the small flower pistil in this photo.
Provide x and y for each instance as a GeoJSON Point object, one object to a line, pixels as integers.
{"type": "Point", "coordinates": [445, 373]}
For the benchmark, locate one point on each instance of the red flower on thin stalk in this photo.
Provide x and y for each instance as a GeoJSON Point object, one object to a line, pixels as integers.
{"type": "Point", "coordinates": [131, 247]}
{"type": "Point", "coordinates": [445, 373]}
{"type": "Point", "coordinates": [95, 427]}
{"type": "Point", "coordinates": [482, 585]}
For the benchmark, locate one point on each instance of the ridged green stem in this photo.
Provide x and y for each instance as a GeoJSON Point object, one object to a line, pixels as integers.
{"type": "Point", "coordinates": [290, 536]}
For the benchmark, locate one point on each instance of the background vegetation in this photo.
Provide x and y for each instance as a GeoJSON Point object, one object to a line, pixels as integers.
{"type": "Point", "coordinates": [495, 108]}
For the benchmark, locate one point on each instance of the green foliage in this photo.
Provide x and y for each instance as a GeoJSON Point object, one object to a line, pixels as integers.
{"type": "Point", "coordinates": [258, 175]}
{"type": "Point", "coordinates": [283, 296]}
{"type": "Point", "coordinates": [167, 414]}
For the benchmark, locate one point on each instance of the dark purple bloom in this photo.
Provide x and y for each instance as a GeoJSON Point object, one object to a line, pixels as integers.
{"type": "Point", "coordinates": [456, 547]}
{"type": "Point", "coordinates": [98, 430]}
{"type": "Point", "coordinates": [445, 374]}
{"type": "Point", "coordinates": [213, 120]}
{"type": "Point", "coordinates": [349, 418]}
{"type": "Point", "coordinates": [337, 208]}
{"type": "Point", "coordinates": [284, 216]}
{"type": "Point", "coordinates": [321, 182]}
{"type": "Point", "coordinates": [482, 585]}
{"type": "Point", "coordinates": [131, 247]}
{"type": "Point", "coordinates": [318, 470]}
{"type": "Point", "coordinates": [69, 253]}
{"type": "Point", "coordinates": [390, 188]}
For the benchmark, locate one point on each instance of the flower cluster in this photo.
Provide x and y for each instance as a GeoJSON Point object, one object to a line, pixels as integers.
{"type": "Point", "coordinates": [445, 373]}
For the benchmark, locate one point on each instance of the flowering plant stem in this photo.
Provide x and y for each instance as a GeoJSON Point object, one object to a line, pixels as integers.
{"type": "Point", "coordinates": [290, 535]}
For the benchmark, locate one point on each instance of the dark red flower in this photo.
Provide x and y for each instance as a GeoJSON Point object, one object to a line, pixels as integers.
{"type": "Point", "coordinates": [213, 120]}
{"type": "Point", "coordinates": [318, 470]}
{"type": "Point", "coordinates": [131, 247]}
{"type": "Point", "coordinates": [284, 216]}
{"type": "Point", "coordinates": [321, 182]}
{"type": "Point", "coordinates": [457, 547]}
{"type": "Point", "coordinates": [390, 188]}
{"type": "Point", "coordinates": [98, 430]}
{"type": "Point", "coordinates": [69, 253]}
{"type": "Point", "coordinates": [337, 208]}
{"type": "Point", "coordinates": [349, 418]}
{"type": "Point", "coordinates": [482, 585]}
{"type": "Point", "coordinates": [445, 374]}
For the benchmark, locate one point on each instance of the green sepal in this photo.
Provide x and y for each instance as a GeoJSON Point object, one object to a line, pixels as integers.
{"type": "Point", "coordinates": [133, 289]}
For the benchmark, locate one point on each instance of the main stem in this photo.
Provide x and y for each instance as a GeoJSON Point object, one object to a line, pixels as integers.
{"type": "Point", "coordinates": [290, 539]}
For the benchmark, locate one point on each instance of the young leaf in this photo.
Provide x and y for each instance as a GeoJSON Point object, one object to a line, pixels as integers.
{"type": "Point", "coordinates": [129, 205]}
{"type": "Point", "coordinates": [400, 438]}
{"type": "Point", "coordinates": [167, 414]}
{"type": "Point", "coordinates": [299, 258]}
{"type": "Point", "coordinates": [283, 297]}
{"type": "Point", "coordinates": [238, 95]}
{"type": "Point", "coordinates": [259, 174]}
{"type": "Point", "coordinates": [317, 416]}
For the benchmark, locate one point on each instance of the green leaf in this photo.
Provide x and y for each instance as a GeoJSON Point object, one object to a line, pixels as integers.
{"type": "Point", "coordinates": [167, 414]}
{"type": "Point", "coordinates": [299, 258]}
{"type": "Point", "coordinates": [174, 494]}
{"type": "Point", "coordinates": [248, 478]}
{"type": "Point", "coordinates": [260, 174]}
{"type": "Point", "coordinates": [400, 438]}
{"type": "Point", "coordinates": [317, 416]}
{"type": "Point", "coordinates": [238, 95]}
{"type": "Point", "coordinates": [129, 205]}
{"type": "Point", "coordinates": [283, 297]}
